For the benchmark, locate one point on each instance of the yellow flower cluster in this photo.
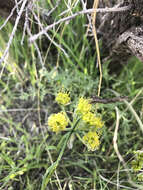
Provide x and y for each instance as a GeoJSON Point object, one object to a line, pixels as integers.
{"type": "Point", "coordinates": [91, 140]}
{"type": "Point", "coordinates": [137, 164]}
{"type": "Point", "coordinates": [92, 120]}
{"type": "Point", "coordinates": [83, 106]}
{"type": "Point", "coordinates": [57, 122]}
{"type": "Point", "coordinates": [63, 98]}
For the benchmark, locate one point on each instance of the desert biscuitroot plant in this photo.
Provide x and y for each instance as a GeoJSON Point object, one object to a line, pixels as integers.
{"type": "Point", "coordinates": [83, 121]}
{"type": "Point", "coordinates": [137, 165]}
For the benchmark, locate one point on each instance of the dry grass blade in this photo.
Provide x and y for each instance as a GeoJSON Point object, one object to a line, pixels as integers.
{"type": "Point", "coordinates": [115, 138]}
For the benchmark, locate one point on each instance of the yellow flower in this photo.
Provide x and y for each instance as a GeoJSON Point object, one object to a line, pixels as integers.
{"type": "Point", "coordinates": [89, 118]}
{"type": "Point", "coordinates": [92, 120]}
{"type": "Point", "coordinates": [57, 122]}
{"type": "Point", "coordinates": [98, 122]}
{"type": "Point", "coordinates": [91, 140]}
{"type": "Point", "coordinates": [140, 176]}
{"type": "Point", "coordinates": [83, 106]}
{"type": "Point", "coordinates": [63, 98]}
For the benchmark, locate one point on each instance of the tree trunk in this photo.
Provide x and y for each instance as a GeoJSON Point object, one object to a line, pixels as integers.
{"type": "Point", "coordinates": [5, 7]}
{"type": "Point", "coordinates": [8, 6]}
{"type": "Point", "coordinates": [122, 33]}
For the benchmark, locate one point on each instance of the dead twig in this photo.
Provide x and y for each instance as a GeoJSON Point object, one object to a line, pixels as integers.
{"type": "Point", "coordinates": [10, 15]}
{"type": "Point", "coordinates": [88, 11]}
{"type": "Point", "coordinates": [12, 36]}
{"type": "Point", "coordinates": [96, 99]}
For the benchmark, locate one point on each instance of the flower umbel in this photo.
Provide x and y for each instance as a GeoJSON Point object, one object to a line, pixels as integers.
{"type": "Point", "coordinates": [57, 122]}
{"type": "Point", "coordinates": [63, 98]}
{"type": "Point", "coordinates": [137, 163]}
{"type": "Point", "coordinates": [92, 120]}
{"type": "Point", "coordinates": [83, 106]}
{"type": "Point", "coordinates": [91, 140]}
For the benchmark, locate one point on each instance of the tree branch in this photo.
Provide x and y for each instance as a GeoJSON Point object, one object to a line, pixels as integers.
{"type": "Point", "coordinates": [88, 11]}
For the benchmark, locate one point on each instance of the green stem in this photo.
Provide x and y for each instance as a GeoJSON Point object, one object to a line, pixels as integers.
{"type": "Point", "coordinates": [52, 168]}
{"type": "Point", "coordinates": [67, 138]}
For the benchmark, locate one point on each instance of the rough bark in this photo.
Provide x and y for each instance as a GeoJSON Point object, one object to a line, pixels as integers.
{"type": "Point", "coordinates": [5, 7]}
{"type": "Point", "coordinates": [122, 33]}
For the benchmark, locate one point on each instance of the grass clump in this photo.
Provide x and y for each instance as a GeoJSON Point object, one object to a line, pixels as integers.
{"type": "Point", "coordinates": [32, 155]}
